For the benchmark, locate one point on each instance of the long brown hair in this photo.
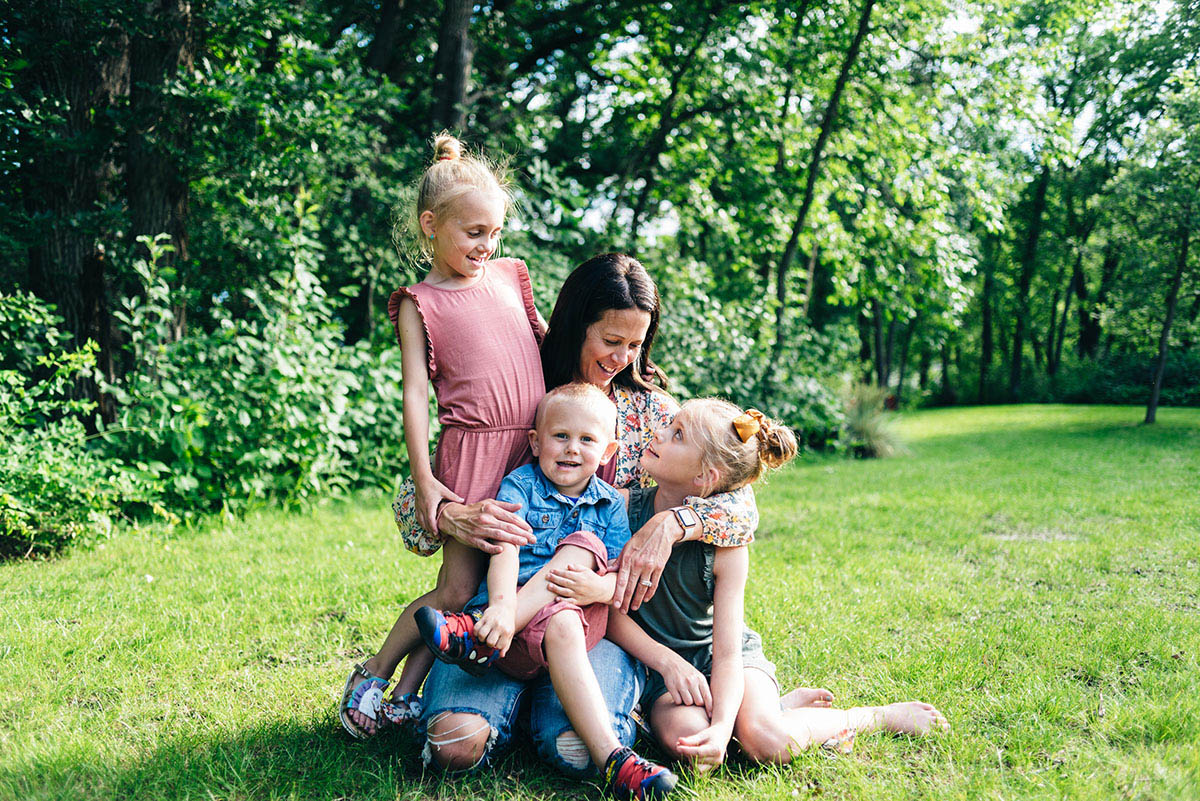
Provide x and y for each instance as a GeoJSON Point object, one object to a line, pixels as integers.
{"type": "Point", "coordinates": [609, 281]}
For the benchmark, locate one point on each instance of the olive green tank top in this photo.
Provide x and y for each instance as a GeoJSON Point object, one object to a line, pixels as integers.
{"type": "Point", "coordinates": [680, 615]}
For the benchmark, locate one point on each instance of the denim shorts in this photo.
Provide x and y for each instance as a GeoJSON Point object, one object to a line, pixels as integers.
{"type": "Point", "coordinates": [501, 702]}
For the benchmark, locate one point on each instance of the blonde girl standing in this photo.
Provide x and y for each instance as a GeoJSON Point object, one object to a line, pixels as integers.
{"type": "Point", "coordinates": [471, 328]}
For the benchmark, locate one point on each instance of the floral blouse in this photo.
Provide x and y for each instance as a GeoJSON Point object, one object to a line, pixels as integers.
{"type": "Point", "coordinates": [729, 518]}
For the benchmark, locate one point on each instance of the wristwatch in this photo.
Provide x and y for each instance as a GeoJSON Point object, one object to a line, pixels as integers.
{"type": "Point", "coordinates": [686, 516]}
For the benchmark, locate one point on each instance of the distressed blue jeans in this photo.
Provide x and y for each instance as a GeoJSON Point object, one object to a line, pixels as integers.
{"type": "Point", "coordinates": [500, 700]}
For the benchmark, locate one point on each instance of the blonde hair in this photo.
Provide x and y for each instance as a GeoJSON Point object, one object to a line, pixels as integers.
{"type": "Point", "coordinates": [709, 423]}
{"type": "Point", "coordinates": [454, 172]}
{"type": "Point", "coordinates": [582, 394]}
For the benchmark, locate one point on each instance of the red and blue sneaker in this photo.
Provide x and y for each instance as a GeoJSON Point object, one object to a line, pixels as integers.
{"type": "Point", "coordinates": [627, 775]}
{"type": "Point", "coordinates": [451, 637]}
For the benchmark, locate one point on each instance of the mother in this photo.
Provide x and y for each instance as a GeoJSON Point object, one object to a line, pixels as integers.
{"type": "Point", "coordinates": [601, 331]}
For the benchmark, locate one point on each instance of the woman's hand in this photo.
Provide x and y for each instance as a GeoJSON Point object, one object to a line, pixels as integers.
{"type": "Point", "coordinates": [430, 493]}
{"type": "Point", "coordinates": [486, 524]}
{"type": "Point", "coordinates": [686, 684]}
{"type": "Point", "coordinates": [497, 625]}
{"type": "Point", "coordinates": [580, 584]}
{"type": "Point", "coordinates": [707, 746]}
{"type": "Point", "coordinates": [642, 560]}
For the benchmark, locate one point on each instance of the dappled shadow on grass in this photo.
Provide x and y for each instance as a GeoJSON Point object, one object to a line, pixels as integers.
{"type": "Point", "coordinates": [288, 760]}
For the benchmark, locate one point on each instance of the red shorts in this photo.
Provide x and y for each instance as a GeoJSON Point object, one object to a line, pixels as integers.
{"type": "Point", "coordinates": [525, 659]}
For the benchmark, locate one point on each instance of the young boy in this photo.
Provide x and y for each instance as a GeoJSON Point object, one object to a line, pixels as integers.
{"type": "Point", "coordinates": [577, 520]}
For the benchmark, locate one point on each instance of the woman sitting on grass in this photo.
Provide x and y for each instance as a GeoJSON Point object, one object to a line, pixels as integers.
{"type": "Point", "coordinates": [710, 680]}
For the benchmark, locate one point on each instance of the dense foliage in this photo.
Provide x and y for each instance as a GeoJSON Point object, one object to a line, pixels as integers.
{"type": "Point", "coordinates": [955, 201]}
{"type": "Point", "coordinates": [55, 487]}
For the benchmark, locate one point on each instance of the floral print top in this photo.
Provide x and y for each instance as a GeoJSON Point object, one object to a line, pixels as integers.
{"type": "Point", "coordinates": [729, 518]}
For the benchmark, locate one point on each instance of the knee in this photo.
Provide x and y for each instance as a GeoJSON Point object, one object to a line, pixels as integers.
{"type": "Point", "coordinates": [453, 595]}
{"type": "Point", "coordinates": [457, 742]}
{"type": "Point", "coordinates": [567, 753]}
{"type": "Point", "coordinates": [563, 627]}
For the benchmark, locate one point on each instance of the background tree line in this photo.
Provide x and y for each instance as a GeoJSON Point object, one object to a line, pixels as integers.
{"type": "Point", "coordinates": [958, 201]}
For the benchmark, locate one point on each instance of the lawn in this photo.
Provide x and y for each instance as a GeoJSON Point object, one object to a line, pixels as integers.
{"type": "Point", "coordinates": [1033, 571]}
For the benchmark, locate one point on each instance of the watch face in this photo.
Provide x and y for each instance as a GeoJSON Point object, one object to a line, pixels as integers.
{"type": "Point", "coordinates": [687, 517]}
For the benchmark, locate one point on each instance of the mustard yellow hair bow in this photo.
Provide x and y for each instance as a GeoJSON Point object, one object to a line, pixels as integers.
{"type": "Point", "coordinates": [748, 423]}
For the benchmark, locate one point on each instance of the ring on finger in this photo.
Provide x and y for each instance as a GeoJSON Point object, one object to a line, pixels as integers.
{"type": "Point", "coordinates": [646, 583]}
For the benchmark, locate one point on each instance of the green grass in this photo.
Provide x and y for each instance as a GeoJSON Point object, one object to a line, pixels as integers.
{"type": "Point", "coordinates": [1032, 571]}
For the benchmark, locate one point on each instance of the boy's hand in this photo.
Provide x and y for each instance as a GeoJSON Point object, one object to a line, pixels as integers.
{"type": "Point", "coordinates": [707, 746]}
{"type": "Point", "coordinates": [430, 493]}
{"type": "Point", "coordinates": [497, 626]}
{"type": "Point", "coordinates": [687, 686]}
{"type": "Point", "coordinates": [580, 584]}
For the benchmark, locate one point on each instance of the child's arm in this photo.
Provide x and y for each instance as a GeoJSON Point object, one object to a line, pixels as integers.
{"type": "Point", "coordinates": [415, 373]}
{"type": "Point", "coordinates": [686, 685]}
{"type": "Point", "coordinates": [728, 682]}
{"type": "Point", "coordinates": [499, 621]}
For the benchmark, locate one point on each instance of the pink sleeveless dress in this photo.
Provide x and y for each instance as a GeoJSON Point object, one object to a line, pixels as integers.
{"type": "Point", "coordinates": [482, 344]}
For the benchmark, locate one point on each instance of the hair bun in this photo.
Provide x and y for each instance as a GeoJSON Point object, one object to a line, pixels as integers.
{"type": "Point", "coordinates": [776, 444]}
{"type": "Point", "coordinates": [446, 148]}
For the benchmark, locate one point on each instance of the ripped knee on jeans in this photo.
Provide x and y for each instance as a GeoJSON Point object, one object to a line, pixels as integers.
{"type": "Point", "coordinates": [461, 747]}
{"type": "Point", "coordinates": [571, 750]}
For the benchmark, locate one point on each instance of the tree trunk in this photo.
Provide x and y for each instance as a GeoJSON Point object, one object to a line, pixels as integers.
{"type": "Point", "coordinates": [907, 343]}
{"type": "Point", "coordinates": [81, 62]}
{"type": "Point", "coordinates": [864, 341]}
{"type": "Point", "coordinates": [828, 117]}
{"type": "Point", "coordinates": [946, 396]}
{"type": "Point", "coordinates": [1165, 337]}
{"type": "Point", "coordinates": [890, 350]}
{"type": "Point", "coordinates": [452, 66]}
{"type": "Point", "coordinates": [156, 187]}
{"type": "Point", "coordinates": [1056, 361]}
{"type": "Point", "coordinates": [1052, 327]}
{"type": "Point", "coordinates": [1089, 314]}
{"type": "Point", "coordinates": [1028, 262]}
{"type": "Point", "coordinates": [987, 345]}
{"type": "Point", "coordinates": [383, 44]}
{"type": "Point", "coordinates": [810, 282]}
{"type": "Point", "coordinates": [923, 368]}
{"type": "Point", "coordinates": [880, 350]}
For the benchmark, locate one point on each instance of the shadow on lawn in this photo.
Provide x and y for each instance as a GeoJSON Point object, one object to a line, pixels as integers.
{"type": "Point", "coordinates": [288, 760]}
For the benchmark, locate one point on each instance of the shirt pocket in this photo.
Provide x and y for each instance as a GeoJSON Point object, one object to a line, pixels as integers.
{"type": "Point", "coordinates": [545, 523]}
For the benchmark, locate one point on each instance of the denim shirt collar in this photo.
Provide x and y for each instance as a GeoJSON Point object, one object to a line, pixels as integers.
{"type": "Point", "coordinates": [592, 495]}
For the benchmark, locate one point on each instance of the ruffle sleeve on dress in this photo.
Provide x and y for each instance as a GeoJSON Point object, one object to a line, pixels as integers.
{"type": "Point", "coordinates": [527, 297]}
{"type": "Point", "coordinates": [394, 315]}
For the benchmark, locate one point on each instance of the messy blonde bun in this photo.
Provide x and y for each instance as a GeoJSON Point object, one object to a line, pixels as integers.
{"type": "Point", "coordinates": [446, 148]}
{"type": "Point", "coordinates": [709, 423]}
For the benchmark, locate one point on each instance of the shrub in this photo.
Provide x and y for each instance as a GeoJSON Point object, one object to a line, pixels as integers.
{"type": "Point", "coordinates": [269, 405]}
{"type": "Point", "coordinates": [55, 489]}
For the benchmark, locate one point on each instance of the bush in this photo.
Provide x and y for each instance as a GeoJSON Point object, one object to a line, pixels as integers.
{"type": "Point", "coordinates": [55, 488]}
{"type": "Point", "coordinates": [269, 405]}
{"type": "Point", "coordinates": [1128, 378]}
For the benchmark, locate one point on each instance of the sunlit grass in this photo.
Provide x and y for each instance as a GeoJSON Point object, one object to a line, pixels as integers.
{"type": "Point", "coordinates": [1033, 571]}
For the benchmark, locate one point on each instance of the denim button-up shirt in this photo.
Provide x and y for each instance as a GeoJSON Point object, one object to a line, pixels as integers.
{"type": "Point", "coordinates": [552, 515]}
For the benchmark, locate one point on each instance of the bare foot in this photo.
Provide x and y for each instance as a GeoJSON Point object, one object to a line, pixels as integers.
{"type": "Point", "coordinates": [807, 696]}
{"type": "Point", "coordinates": [911, 717]}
